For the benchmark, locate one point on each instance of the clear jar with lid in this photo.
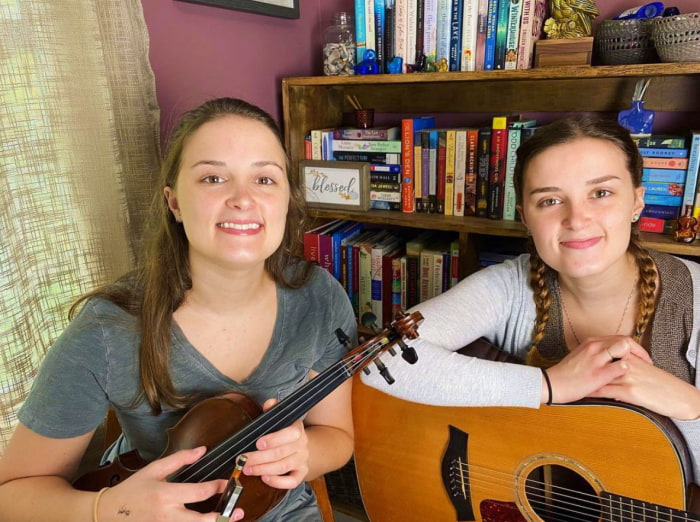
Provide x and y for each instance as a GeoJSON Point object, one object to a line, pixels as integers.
{"type": "Point", "coordinates": [339, 46]}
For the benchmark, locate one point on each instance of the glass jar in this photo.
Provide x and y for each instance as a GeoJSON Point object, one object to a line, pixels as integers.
{"type": "Point", "coordinates": [339, 46]}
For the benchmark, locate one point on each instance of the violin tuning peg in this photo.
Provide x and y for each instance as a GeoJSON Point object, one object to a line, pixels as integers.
{"type": "Point", "coordinates": [409, 354]}
{"type": "Point", "coordinates": [366, 370]}
{"type": "Point", "coordinates": [369, 321]}
{"type": "Point", "coordinates": [391, 351]}
{"type": "Point", "coordinates": [342, 337]}
{"type": "Point", "coordinates": [384, 371]}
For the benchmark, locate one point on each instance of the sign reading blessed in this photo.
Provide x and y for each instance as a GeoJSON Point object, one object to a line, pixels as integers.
{"type": "Point", "coordinates": [336, 184]}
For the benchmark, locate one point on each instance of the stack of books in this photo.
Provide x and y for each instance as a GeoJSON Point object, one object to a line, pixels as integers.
{"type": "Point", "coordinates": [449, 35]}
{"type": "Point", "coordinates": [668, 181]}
{"type": "Point", "coordinates": [382, 271]}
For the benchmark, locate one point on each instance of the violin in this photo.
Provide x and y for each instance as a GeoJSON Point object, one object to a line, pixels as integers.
{"type": "Point", "coordinates": [230, 424]}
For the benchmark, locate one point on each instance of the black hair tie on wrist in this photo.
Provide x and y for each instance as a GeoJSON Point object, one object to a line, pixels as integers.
{"type": "Point", "coordinates": [549, 386]}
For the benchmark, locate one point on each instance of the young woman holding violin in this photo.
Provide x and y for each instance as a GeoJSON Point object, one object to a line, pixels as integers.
{"type": "Point", "coordinates": [217, 304]}
{"type": "Point", "coordinates": [591, 312]}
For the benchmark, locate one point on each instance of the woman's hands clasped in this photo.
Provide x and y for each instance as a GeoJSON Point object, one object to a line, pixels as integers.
{"type": "Point", "coordinates": [617, 367]}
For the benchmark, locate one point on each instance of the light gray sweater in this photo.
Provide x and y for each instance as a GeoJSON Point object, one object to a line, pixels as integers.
{"type": "Point", "coordinates": [495, 303]}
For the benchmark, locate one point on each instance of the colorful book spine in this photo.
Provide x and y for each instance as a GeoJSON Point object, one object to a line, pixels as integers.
{"type": "Point", "coordinates": [370, 26]}
{"type": "Point", "coordinates": [380, 31]}
{"type": "Point", "coordinates": [499, 141]}
{"type": "Point", "coordinates": [491, 28]}
{"type": "Point", "coordinates": [658, 152]}
{"type": "Point", "coordinates": [665, 175]}
{"type": "Point", "coordinates": [389, 28]}
{"type": "Point", "coordinates": [426, 161]}
{"type": "Point", "coordinates": [669, 201]}
{"type": "Point", "coordinates": [513, 34]}
{"type": "Point", "coordinates": [516, 132]}
{"type": "Point", "coordinates": [661, 141]}
{"type": "Point", "coordinates": [411, 28]}
{"type": "Point", "coordinates": [481, 26]}
{"type": "Point", "coordinates": [369, 134]}
{"type": "Point", "coordinates": [460, 170]}
{"type": "Point", "coordinates": [387, 146]}
{"type": "Point", "coordinates": [471, 173]}
{"type": "Point", "coordinates": [531, 25]}
{"type": "Point", "coordinates": [379, 158]}
{"type": "Point", "coordinates": [499, 61]}
{"type": "Point", "coordinates": [691, 180]}
{"type": "Point", "coordinates": [435, 183]}
{"type": "Point", "coordinates": [656, 225]}
{"type": "Point", "coordinates": [349, 229]}
{"type": "Point", "coordinates": [665, 163]}
{"type": "Point", "coordinates": [393, 169]}
{"type": "Point", "coordinates": [470, 18]}
{"type": "Point", "coordinates": [420, 34]}
{"type": "Point", "coordinates": [442, 34]}
{"type": "Point", "coordinates": [666, 189]}
{"type": "Point", "coordinates": [449, 197]}
{"type": "Point", "coordinates": [430, 33]}
{"type": "Point", "coordinates": [661, 211]}
{"type": "Point", "coordinates": [360, 34]}
{"type": "Point", "coordinates": [377, 252]}
{"type": "Point", "coordinates": [482, 180]}
{"type": "Point", "coordinates": [456, 15]}
{"type": "Point", "coordinates": [454, 262]}
{"type": "Point", "coordinates": [401, 29]}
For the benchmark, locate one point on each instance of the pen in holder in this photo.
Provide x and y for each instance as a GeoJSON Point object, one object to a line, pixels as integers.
{"type": "Point", "coordinates": [364, 118]}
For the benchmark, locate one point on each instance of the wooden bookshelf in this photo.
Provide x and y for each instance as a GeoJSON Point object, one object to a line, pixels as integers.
{"type": "Point", "coordinates": [318, 102]}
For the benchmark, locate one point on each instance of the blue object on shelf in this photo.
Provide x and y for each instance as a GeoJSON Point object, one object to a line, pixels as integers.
{"type": "Point", "coordinates": [369, 64]}
{"type": "Point", "coordinates": [650, 10]}
{"type": "Point", "coordinates": [637, 119]}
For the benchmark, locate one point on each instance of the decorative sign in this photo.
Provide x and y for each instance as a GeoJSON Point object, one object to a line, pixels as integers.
{"type": "Point", "coordinates": [336, 184]}
{"type": "Point", "coordinates": [279, 8]}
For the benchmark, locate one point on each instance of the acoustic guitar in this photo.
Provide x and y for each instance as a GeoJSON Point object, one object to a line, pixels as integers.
{"type": "Point", "coordinates": [593, 460]}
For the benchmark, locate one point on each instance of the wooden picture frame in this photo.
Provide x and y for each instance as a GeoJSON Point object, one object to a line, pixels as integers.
{"type": "Point", "coordinates": [340, 185]}
{"type": "Point", "coordinates": [278, 8]}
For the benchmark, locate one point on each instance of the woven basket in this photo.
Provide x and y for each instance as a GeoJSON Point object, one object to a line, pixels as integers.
{"type": "Point", "coordinates": [677, 38]}
{"type": "Point", "coordinates": [619, 42]}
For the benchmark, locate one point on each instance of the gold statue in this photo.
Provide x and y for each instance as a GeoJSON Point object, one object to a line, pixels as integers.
{"type": "Point", "coordinates": [570, 18]}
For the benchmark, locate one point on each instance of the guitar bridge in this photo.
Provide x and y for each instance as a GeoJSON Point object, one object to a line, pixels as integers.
{"type": "Point", "coordinates": [455, 474]}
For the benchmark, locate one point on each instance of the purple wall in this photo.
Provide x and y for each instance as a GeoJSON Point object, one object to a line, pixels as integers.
{"type": "Point", "coordinates": [199, 52]}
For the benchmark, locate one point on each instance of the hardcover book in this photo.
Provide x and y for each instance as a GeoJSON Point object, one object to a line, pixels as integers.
{"type": "Point", "coordinates": [369, 134]}
{"type": "Point", "coordinates": [499, 142]}
{"type": "Point", "coordinates": [483, 158]}
{"type": "Point", "coordinates": [513, 33]}
{"type": "Point", "coordinates": [409, 128]}
{"type": "Point", "coordinates": [532, 19]}
{"type": "Point", "coordinates": [470, 19]}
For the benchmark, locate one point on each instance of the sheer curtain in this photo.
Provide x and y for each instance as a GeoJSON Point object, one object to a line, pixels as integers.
{"type": "Point", "coordinates": [78, 156]}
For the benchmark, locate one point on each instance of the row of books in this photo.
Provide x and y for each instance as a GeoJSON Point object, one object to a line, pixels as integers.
{"type": "Point", "coordinates": [670, 178]}
{"type": "Point", "coordinates": [449, 35]}
{"type": "Point", "coordinates": [382, 271]}
{"type": "Point", "coordinates": [416, 167]}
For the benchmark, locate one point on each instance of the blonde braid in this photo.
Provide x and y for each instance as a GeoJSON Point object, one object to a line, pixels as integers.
{"type": "Point", "coordinates": [543, 301]}
{"type": "Point", "coordinates": [647, 287]}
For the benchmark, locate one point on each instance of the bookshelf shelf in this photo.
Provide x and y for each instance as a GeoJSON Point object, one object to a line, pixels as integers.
{"type": "Point", "coordinates": [318, 102]}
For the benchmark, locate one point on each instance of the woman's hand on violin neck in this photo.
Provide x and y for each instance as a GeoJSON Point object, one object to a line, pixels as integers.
{"type": "Point", "coordinates": [147, 496]}
{"type": "Point", "coordinates": [282, 457]}
{"type": "Point", "coordinates": [593, 364]}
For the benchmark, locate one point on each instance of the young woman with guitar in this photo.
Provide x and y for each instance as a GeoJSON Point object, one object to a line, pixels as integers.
{"type": "Point", "coordinates": [217, 304]}
{"type": "Point", "coordinates": [603, 316]}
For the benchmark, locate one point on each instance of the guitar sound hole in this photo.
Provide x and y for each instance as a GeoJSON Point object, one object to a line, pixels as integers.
{"type": "Point", "coordinates": [558, 494]}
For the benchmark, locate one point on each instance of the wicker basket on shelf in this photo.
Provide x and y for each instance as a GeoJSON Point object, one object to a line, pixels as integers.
{"type": "Point", "coordinates": [621, 42]}
{"type": "Point", "coordinates": [677, 38]}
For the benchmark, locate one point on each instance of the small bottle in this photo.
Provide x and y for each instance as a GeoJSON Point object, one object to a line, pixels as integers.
{"type": "Point", "coordinates": [685, 232]}
{"type": "Point", "coordinates": [650, 10]}
{"type": "Point", "coordinates": [339, 46]}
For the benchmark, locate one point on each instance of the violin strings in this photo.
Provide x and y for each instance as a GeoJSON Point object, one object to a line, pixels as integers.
{"type": "Point", "coordinates": [567, 502]}
{"type": "Point", "coordinates": [304, 397]}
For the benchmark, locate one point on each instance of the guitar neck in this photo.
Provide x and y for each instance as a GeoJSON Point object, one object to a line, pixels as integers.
{"type": "Point", "coordinates": [617, 507]}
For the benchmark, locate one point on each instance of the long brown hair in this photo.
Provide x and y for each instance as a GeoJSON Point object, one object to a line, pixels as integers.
{"type": "Point", "coordinates": [156, 288]}
{"type": "Point", "coordinates": [557, 133]}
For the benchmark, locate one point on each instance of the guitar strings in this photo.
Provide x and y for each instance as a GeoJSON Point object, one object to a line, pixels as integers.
{"type": "Point", "coordinates": [572, 503]}
{"type": "Point", "coordinates": [304, 397]}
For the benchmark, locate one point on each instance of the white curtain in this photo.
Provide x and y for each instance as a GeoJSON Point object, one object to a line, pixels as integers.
{"type": "Point", "coordinates": [78, 156]}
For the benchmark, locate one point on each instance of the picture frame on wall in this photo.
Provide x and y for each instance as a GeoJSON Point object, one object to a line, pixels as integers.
{"type": "Point", "coordinates": [342, 185]}
{"type": "Point", "coordinates": [278, 8]}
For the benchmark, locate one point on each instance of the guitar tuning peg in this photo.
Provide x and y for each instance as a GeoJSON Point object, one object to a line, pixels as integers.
{"type": "Point", "coordinates": [409, 354]}
{"type": "Point", "coordinates": [342, 337]}
{"type": "Point", "coordinates": [384, 371]}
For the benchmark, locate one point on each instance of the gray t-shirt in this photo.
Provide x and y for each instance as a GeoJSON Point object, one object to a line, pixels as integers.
{"type": "Point", "coordinates": [94, 365]}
